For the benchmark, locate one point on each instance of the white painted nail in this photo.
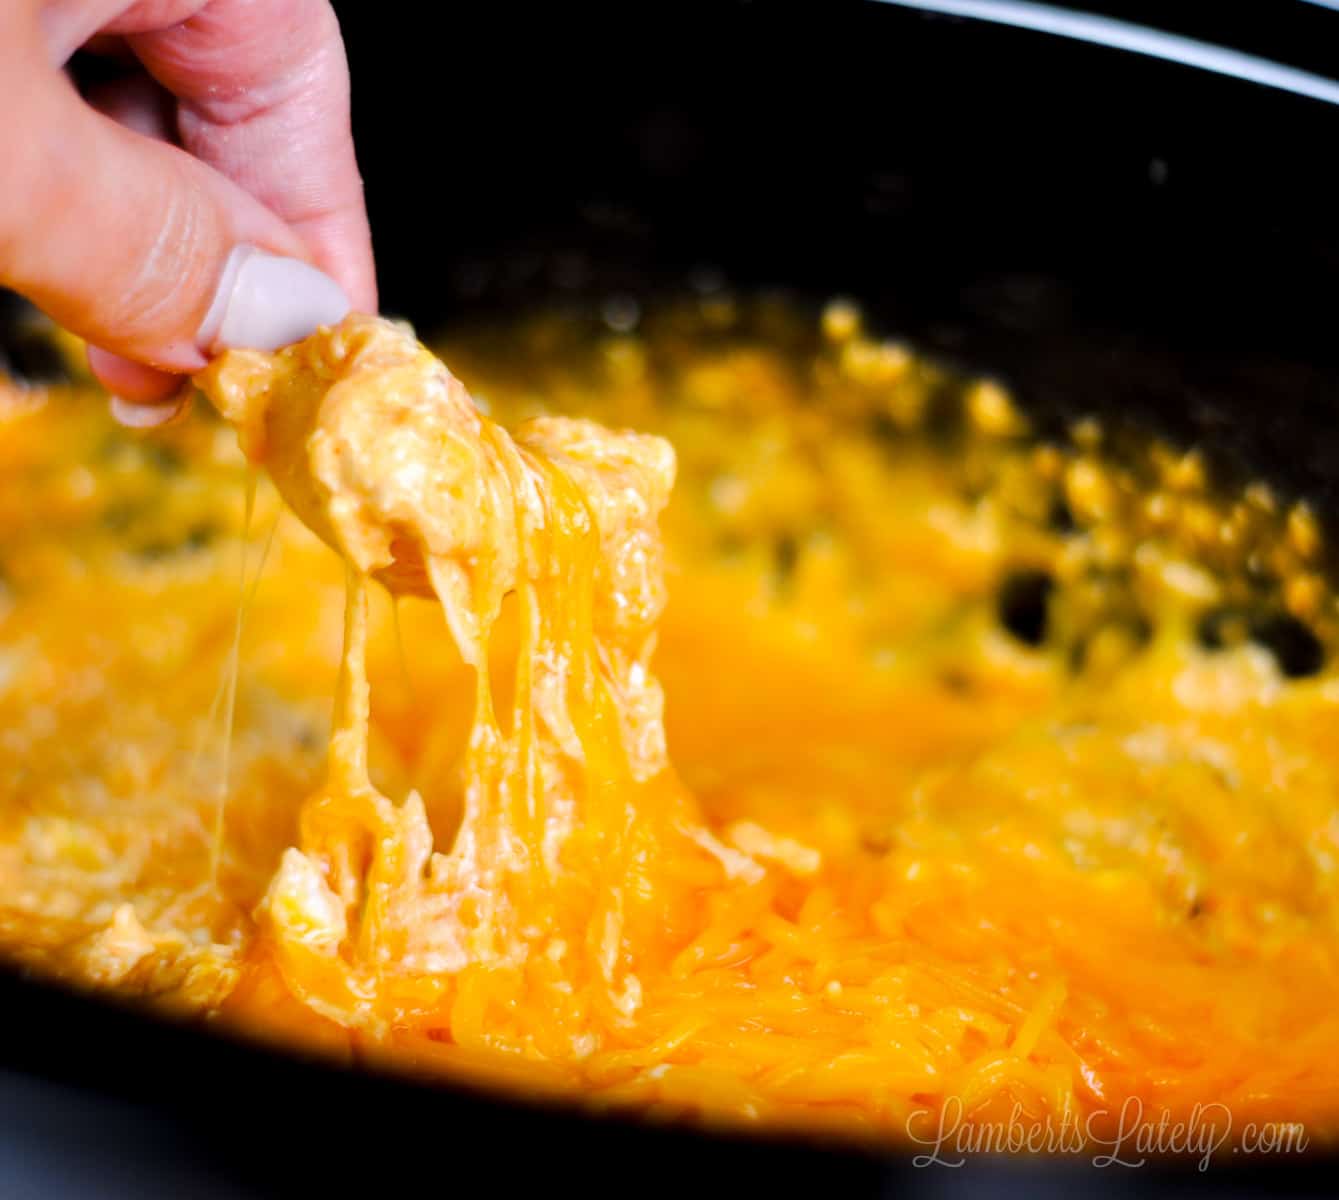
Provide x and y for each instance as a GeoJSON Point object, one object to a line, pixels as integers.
{"type": "Point", "coordinates": [265, 301]}
{"type": "Point", "coordinates": [134, 415]}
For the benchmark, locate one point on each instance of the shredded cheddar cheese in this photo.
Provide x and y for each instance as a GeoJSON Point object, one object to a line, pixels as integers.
{"type": "Point", "coordinates": [896, 763]}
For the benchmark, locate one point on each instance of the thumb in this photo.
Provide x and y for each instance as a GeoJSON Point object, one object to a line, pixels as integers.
{"type": "Point", "coordinates": [140, 248]}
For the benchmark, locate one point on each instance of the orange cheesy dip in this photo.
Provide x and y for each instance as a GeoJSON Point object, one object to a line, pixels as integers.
{"type": "Point", "coordinates": [891, 761]}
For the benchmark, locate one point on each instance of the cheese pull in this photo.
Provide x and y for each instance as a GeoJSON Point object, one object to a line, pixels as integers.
{"type": "Point", "coordinates": [379, 449]}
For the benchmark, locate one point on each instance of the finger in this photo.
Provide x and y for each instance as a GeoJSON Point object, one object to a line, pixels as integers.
{"type": "Point", "coordinates": [141, 235]}
{"type": "Point", "coordinates": [144, 415]}
{"type": "Point", "coordinates": [263, 90]}
{"type": "Point", "coordinates": [131, 381]}
{"type": "Point", "coordinates": [138, 103]}
{"type": "Point", "coordinates": [67, 25]}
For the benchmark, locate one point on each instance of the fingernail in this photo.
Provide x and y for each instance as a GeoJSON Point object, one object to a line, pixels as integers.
{"type": "Point", "coordinates": [265, 301]}
{"type": "Point", "coordinates": [133, 415]}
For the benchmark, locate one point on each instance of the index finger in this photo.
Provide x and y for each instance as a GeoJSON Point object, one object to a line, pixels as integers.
{"type": "Point", "coordinates": [263, 91]}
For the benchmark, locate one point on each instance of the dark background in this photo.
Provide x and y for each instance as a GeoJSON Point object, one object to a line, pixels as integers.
{"type": "Point", "coordinates": [1110, 232]}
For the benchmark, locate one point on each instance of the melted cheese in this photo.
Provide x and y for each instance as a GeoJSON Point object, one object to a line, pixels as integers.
{"type": "Point", "coordinates": [906, 861]}
{"type": "Point", "coordinates": [568, 801]}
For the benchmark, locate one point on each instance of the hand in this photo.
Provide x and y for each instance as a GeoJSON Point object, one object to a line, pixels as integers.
{"type": "Point", "coordinates": [147, 219]}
